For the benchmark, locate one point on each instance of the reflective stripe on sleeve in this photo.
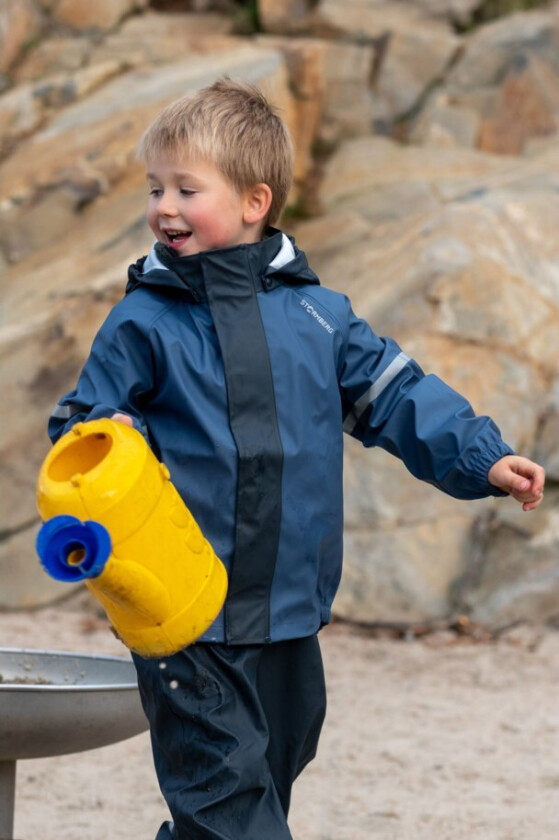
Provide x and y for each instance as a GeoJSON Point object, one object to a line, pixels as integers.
{"type": "Point", "coordinates": [64, 412]}
{"type": "Point", "coordinates": [391, 372]}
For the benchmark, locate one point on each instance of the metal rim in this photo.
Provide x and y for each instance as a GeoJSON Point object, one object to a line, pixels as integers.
{"type": "Point", "coordinates": [51, 688]}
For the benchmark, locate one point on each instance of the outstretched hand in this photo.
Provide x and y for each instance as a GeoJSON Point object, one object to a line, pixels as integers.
{"type": "Point", "coordinates": [523, 479]}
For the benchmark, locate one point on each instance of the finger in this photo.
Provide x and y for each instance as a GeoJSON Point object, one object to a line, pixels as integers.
{"type": "Point", "coordinates": [526, 496]}
{"type": "Point", "coordinates": [533, 472]}
{"type": "Point", "coordinates": [519, 484]}
{"type": "Point", "coordinates": [538, 481]}
{"type": "Point", "coordinates": [123, 418]}
{"type": "Point", "coordinates": [532, 505]}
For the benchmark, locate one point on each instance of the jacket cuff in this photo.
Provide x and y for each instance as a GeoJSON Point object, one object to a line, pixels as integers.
{"type": "Point", "coordinates": [484, 460]}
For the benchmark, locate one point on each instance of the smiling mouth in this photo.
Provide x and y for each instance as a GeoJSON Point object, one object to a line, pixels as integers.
{"type": "Point", "coordinates": [176, 237]}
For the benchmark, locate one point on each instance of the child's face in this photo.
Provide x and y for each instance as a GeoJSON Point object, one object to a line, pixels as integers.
{"type": "Point", "coordinates": [192, 207]}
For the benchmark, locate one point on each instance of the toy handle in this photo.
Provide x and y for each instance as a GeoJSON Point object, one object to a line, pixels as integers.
{"type": "Point", "coordinates": [71, 550]}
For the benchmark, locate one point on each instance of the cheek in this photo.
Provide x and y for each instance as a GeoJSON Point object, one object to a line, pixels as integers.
{"type": "Point", "coordinates": [151, 216]}
{"type": "Point", "coordinates": [224, 218]}
{"type": "Point", "coordinates": [206, 221]}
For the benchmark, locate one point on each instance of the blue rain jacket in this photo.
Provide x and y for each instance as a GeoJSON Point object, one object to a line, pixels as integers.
{"type": "Point", "coordinates": [243, 372]}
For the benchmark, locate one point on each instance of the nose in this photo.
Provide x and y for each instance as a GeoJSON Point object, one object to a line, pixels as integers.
{"type": "Point", "coordinates": [166, 206]}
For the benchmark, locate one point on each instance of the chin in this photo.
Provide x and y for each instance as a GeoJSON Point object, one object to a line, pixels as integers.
{"type": "Point", "coordinates": [184, 251]}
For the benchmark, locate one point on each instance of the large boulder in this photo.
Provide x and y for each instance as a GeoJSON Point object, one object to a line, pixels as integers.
{"type": "Point", "coordinates": [99, 136]}
{"type": "Point", "coordinates": [99, 15]}
{"type": "Point", "coordinates": [71, 226]}
{"type": "Point", "coordinates": [513, 573]}
{"type": "Point", "coordinates": [410, 51]}
{"type": "Point", "coordinates": [296, 16]}
{"type": "Point", "coordinates": [449, 248]}
{"type": "Point", "coordinates": [156, 38]}
{"type": "Point", "coordinates": [331, 83]}
{"type": "Point", "coordinates": [492, 51]}
{"type": "Point", "coordinates": [414, 59]}
{"type": "Point", "coordinates": [454, 255]}
{"type": "Point", "coordinates": [502, 92]}
{"type": "Point", "coordinates": [20, 23]}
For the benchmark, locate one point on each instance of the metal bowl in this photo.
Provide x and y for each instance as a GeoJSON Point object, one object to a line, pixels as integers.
{"type": "Point", "coordinates": [52, 702]}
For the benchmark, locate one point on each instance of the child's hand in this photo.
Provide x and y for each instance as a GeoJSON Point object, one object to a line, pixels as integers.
{"type": "Point", "coordinates": [520, 477]}
{"type": "Point", "coordinates": [123, 418]}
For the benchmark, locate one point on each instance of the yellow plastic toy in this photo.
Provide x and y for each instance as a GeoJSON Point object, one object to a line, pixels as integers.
{"type": "Point", "coordinates": [115, 520]}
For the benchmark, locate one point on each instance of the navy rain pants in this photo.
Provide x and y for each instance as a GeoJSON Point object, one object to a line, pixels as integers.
{"type": "Point", "coordinates": [231, 729]}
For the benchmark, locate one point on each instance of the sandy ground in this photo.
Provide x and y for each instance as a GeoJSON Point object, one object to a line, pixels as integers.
{"type": "Point", "coordinates": [432, 739]}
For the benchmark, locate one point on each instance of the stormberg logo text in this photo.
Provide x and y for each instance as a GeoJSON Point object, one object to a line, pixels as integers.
{"type": "Point", "coordinates": [312, 311]}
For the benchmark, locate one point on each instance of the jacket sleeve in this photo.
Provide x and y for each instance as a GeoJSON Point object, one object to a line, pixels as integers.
{"type": "Point", "coordinates": [117, 377]}
{"type": "Point", "coordinates": [389, 402]}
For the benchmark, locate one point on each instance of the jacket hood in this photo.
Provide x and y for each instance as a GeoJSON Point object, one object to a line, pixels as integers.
{"type": "Point", "coordinates": [273, 261]}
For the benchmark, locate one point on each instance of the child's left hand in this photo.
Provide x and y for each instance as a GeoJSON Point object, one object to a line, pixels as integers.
{"type": "Point", "coordinates": [520, 477]}
{"type": "Point", "coordinates": [123, 418]}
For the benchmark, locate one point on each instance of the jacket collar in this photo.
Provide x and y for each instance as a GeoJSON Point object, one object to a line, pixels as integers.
{"type": "Point", "coordinates": [268, 263]}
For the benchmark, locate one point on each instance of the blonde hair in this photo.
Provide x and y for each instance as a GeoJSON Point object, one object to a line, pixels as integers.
{"type": "Point", "coordinates": [233, 125]}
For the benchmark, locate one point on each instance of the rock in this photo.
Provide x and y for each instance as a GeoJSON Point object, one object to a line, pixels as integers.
{"type": "Point", "coordinates": [53, 304]}
{"type": "Point", "coordinates": [42, 362]}
{"type": "Point", "coordinates": [331, 84]}
{"type": "Point", "coordinates": [99, 137]}
{"type": "Point", "coordinates": [449, 248]}
{"type": "Point", "coordinates": [348, 104]}
{"type": "Point", "coordinates": [365, 164]}
{"type": "Point", "coordinates": [285, 16]}
{"type": "Point", "coordinates": [493, 50]}
{"type": "Point", "coordinates": [403, 575]}
{"type": "Point", "coordinates": [496, 379]}
{"type": "Point", "coordinates": [356, 16]}
{"type": "Point", "coordinates": [507, 73]}
{"type": "Point", "coordinates": [382, 496]}
{"type": "Point", "coordinates": [547, 444]}
{"type": "Point", "coordinates": [20, 24]}
{"type": "Point", "coordinates": [51, 283]}
{"type": "Point", "coordinates": [24, 583]}
{"type": "Point", "coordinates": [100, 14]}
{"type": "Point", "coordinates": [325, 235]}
{"type": "Point", "coordinates": [456, 11]}
{"type": "Point", "coordinates": [21, 114]}
{"type": "Point", "coordinates": [489, 225]}
{"type": "Point", "coordinates": [525, 106]}
{"type": "Point", "coordinates": [414, 58]}
{"type": "Point", "coordinates": [442, 123]}
{"type": "Point", "coordinates": [52, 56]}
{"type": "Point", "coordinates": [164, 37]}
{"type": "Point", "coordinates": [28, 106]}
{"type": "Point", "coordinates": [31, 225]}
{"type": "Point", "coordinates": [510, 307]}
{"type": "Point", "coordinates": [518, 576]}
{"type": "Point", "coordinates": [63, 89]}
{"type": "Point", "coordinates": [466, 278]}
{"type": "Point", "coordinates": [304, 60]}
{"type": "Point", "coordinates": [366, 20]}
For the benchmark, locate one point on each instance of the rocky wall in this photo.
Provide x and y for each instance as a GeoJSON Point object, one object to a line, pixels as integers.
{"type": "Point", "coordinates": [427, 188]}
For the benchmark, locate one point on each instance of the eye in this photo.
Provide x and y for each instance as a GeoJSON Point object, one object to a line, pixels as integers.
{"type": "Point", "coordinates": [155, 191]}
{"type": "Point", "coordinates": [186, 191]}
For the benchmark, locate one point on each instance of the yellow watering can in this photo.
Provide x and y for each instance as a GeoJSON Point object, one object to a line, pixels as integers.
{"type": "Point", "coordinates": [115, 520]}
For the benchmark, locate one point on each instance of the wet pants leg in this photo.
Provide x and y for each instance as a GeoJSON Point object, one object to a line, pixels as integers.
{"type": "Point", "coordinates": [231, 729]}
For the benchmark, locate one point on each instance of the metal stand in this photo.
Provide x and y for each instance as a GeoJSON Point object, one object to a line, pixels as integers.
{"type": "Point", "coordinates": [7, 799]}
{"type": "Point", "coordinates": [56, 702]}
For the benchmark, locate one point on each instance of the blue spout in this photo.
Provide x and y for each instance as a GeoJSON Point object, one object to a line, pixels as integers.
{"type": "Point", "coordinates": [71, 550]}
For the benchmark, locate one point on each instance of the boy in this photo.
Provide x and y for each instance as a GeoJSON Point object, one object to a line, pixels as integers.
{"type": "Point", "coordinates": [242, 372]}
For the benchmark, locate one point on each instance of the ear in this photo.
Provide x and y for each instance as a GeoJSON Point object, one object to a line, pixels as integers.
{"type": "Point", "coordinates": [257, 203]}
